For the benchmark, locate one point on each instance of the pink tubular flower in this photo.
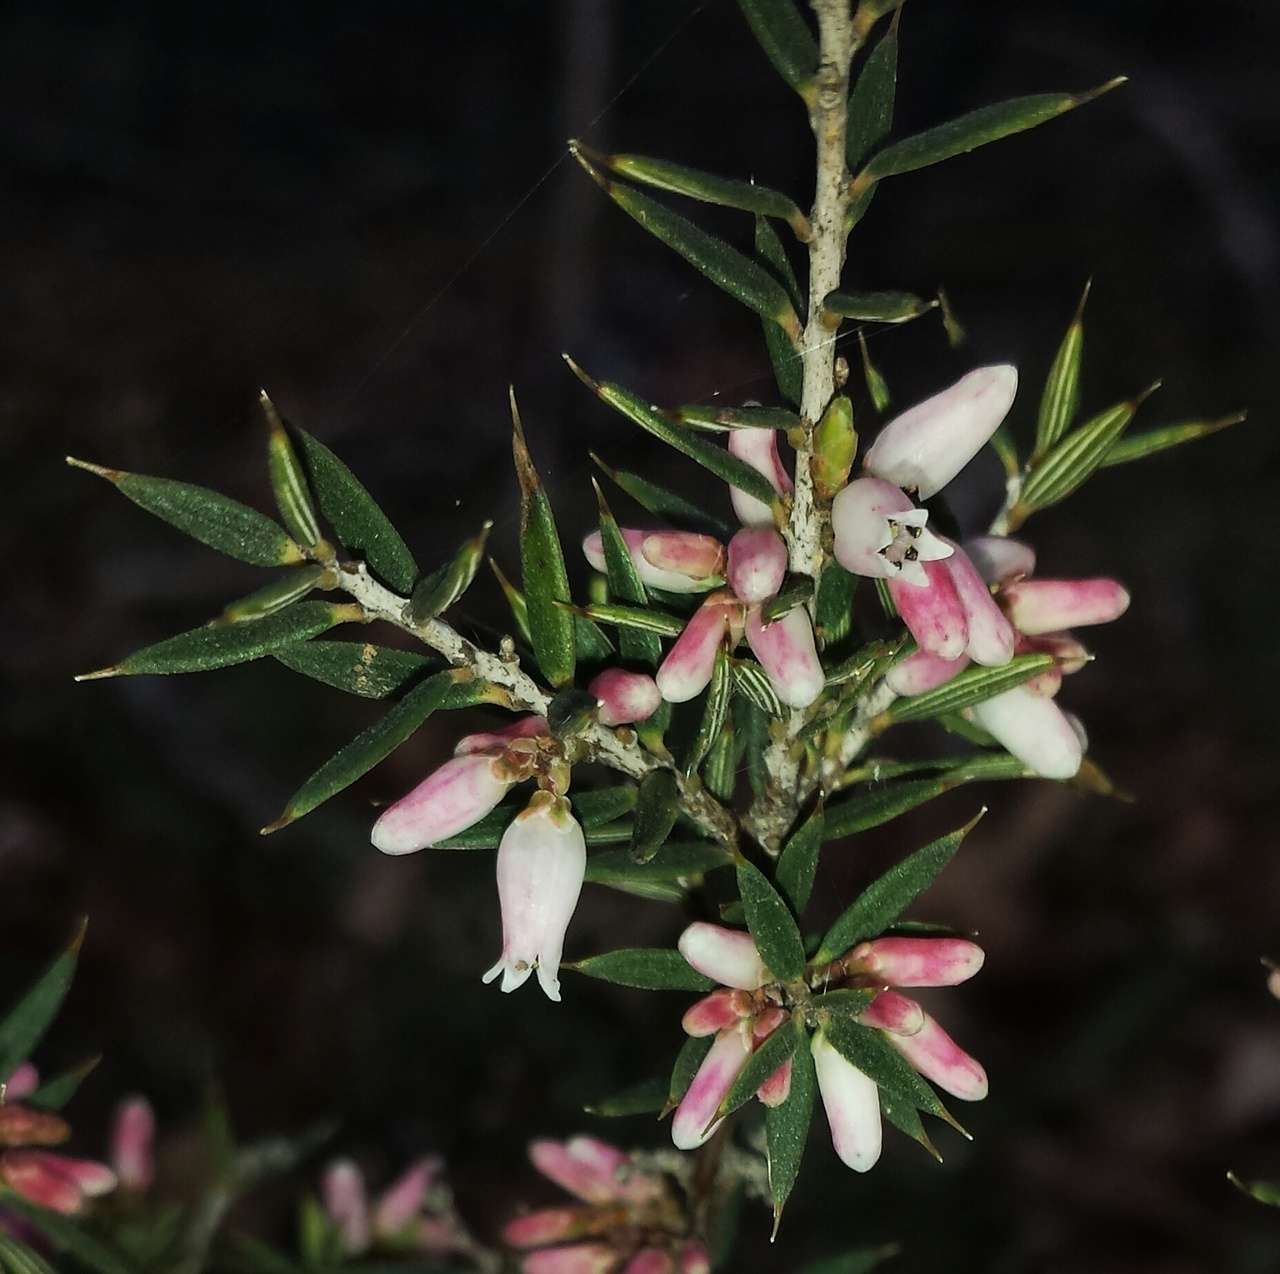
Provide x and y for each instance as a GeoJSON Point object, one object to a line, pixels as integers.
{"type": "Point", "coordinates": [759, 448]}
{"type": "Point", "coordinates": [727, 956]}
{"type": "Point", "coordinates": [922, 671]}
{"type": "Point", "coordinates": [581, 1258]}
{"type": "Point", "coordinates": [786, 651]}
{"type": "Point", "coordinates": [56, 1182]}
{"type": "Point", "coordinates": [402, 1202]}
{"type": "Point", "coordinates": [880, 533]}
{"type": "Point", "coordinates": [917, 961]}
{"type": "Point", "coordinates": [852, 1103]}
{"type": "Point", "coordinates": [934, 614]}
{"type": "Point", "coordinates": [1034, 729]}
{"type": "Point", "coordinates": [694, 1121]}
{"type": "Point", "coordinates": [673, 561]}
{"type": "Point", "coordinates": [651, 1260]}
{"type": "Point", "coordinates": [449, 800]}
{"type": "Point", "coordinates": [624, 697]}
{"type": "Point", "coordinates": [937, 1057]}
{"type": "Point", "coordinates": [1039, 606]}
{"type": "Point", "coordinates": [406, 1216]}
{"type": "Point", "coordinates": [343, 1195]}
{"type": "Point", "coordinates": [1000, 559]}
{"type": "Point", "coordinates": [542, 859]}
{"type": "Point", "coordinates": [757, 563]}
{"type": "Point", "coordinates": [715, 1012]}
{"type": "Point", "coordinates": [22, 1083]}
{"type": "Point", "coordinates": [694, 1258]}
{"type": "Point", "coordinates": [689, 663]}
{"type": "Point", "coordinates": [990, 635]}
{"type": "Point", "coordinates": [528, 727]}
{"type": "Point", "coordinates": [591, 1169]}
{"type": "Point", "coordinates": [133, 1132]}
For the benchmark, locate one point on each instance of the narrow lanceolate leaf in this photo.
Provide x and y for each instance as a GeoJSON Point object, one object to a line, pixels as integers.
{"type": "Point", "coordinates": [847, 1002]}
{"type": "Point", "coordinates": [1061, 397]}
{"type": "Point", "coordinates": [55, 1093]}
{"type": "Point", "coordinates": [435, 594]}
{"type": "Point", "coordinates": [871, 100]}
{"type": "Point", "coordinates": [65, 1235]}
{"type": "Point", "coordinates": [714, 711]}
{"type": "Point", "coordinates": [24, 1025]}
{"type": "Point", "coordinates": [726, 267]}
{"type": "Point", "coordinates": [728, 192]}
{"type": "Point", "coordinates": [651, 419]}
{"type": "Point", "coordinates": [877, 386]}
{"type": "Point", "coordinates": [787, 42]}
{"type": "Point", "coordinates": [794, 593]}
{"type": "Point", "coordinates": [974, 685]}
{"type": "Point", "coordinates": [720, 771]}
{"type": "Point", "coordinates": [589, 641]}
{"type": "Point", "coordinates": [906, 1119]}
{"type": "Point", "coordinates": [661, 502]}
{"type": "Point", "coordinates": [221, 645]}
{"type": "Point", "coordinates": [632, 617]}
{"type": "Point", "coordinates": [1076, 457]}
{"type": "Point", "coordinates": [358, 667]}
{"type": "Point", "coordinates": [546, 583]}
{"type": "Point", "coordinates": [887, 897]}
{"type": "Point", "coordinates": [776, 1049]}
{"type": "Point", "coordinates": [958, 136]}
{"type": "Point", "coordinates": [723, 419]}
{"type": "Point", "coordinates": [787, 1127]}
{"type": "Point", "coordinates": [289, 479]}
{"type": "Point", "coordinates": [515, 600]}
{"type": "Point", "coordinates": [833, 608]}
{"type": "Point", "coordinates": [17, 1258]}
{"type": "Point", "coordinates": [367, 749]}
{"type": "Point", "coordinates": [645, 1098]}
{"type": "Point", "coordinates": [597, 810]}
{"type": "Point", "coordinates": [291, 587]}
{"type": "Point", "coordinates": [751, 681]}
{"type": "Point", "coordinates": [876, 307]}
{"type": "Point", "coordinates": [788, 370]}
{"type": "Point", "coordinates": [357, 521]}
{"type": "Point", "coordinates": [646, 968]}
{"type": "Point", "coordinates": [625, 585]}
{"type": "Point", "coordinates": [874, 1056]}
{"type": "Point", "coordinates": [752, 724]}
{"type": "Point", "coordinates": [688, 1059]}
{"type": "Point", "coordinates": [679, 860]}
{"type": "Point", "coordinates": [656, 810]}
{"type": "Point", "coordinates": [1267, 1192]}
{"type": "Point", "coordinates": [798, 863]}
{"type": "Point", "coordinates": [1156, 440]}
{"type": "Point", "coordinates": [214, 519]}
{"type": "Point", "coordinates": [771, 923]}
{"type": "Point", "coordinates": [865, 664]}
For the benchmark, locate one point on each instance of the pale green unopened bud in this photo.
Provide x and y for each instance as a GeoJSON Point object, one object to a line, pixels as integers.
{"type": "Point", "coordinates": [834, 443]}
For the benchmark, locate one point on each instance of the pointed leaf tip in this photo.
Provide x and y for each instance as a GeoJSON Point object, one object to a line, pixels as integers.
{"type": "Point", "coordinates": [111, 475]}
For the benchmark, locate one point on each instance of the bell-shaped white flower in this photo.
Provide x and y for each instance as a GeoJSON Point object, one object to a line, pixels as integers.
{"type": "Point", "coordinates": [880, 533]}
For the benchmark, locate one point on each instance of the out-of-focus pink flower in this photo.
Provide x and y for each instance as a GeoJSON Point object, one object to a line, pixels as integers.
{"type": "Point", "coordinates": [694, 1258]}
{"type": "Point", "coordinates": [23, 1126]}
{"type": "Point", "coordinates": [133, 1132]}
{"type": "Point", "coordinates": [527, 727]}
{"type": "Point", "coordinates": [673, 561]}
{"type": "Point", "coordinates": [448, 801]}
{"type": "Point", "coordinates": [402, 1202]}
{"type": "Point", "coordinates": [346, 1203]}
{"type": "Point", "coordinates": [542, 860]}
{"type": "Point", "coordinates": [624, 696]}
{"type": "Point", "coordinates": [852, 1103]}
{"type": "Point", "coordinates": [727, 956]}
{"type": "Point", "coordinates": [581, 1258]}
{"type": "Point", "coordinates": [757, 563]}
{"type": "Point", "coordinates": [689, 663]}
{"type": "Point", "coordinates": [22, 1083]}
{"type": "Point", "coordinates": [788, 655]}
{"type": "Point", "coordinates": [652, 1260]}
{"type": "Point", "coordinates": [415, 1213]}
{"type": "Point", "coordinates": [52, 1181]}
{"type": "Point", "coordinates": [591, 1169]}
{"type": "Point", "coordinates": [759, 448]}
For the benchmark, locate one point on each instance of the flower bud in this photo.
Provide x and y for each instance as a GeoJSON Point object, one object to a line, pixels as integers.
{"type": "Point", "coordinates": [686, 553]}
{"type": "Point", "coordinates": [23, 1126]}
{"type": "Point", "coordinates": [133, 1134]}
{"type": "Point", "coordinates": [651, 575]}
{"type": "Point", "coordinates": [545, 1225]}
{"type": "Point", "coordinates": [1034, 729]}
{"type": "Point", "coordinates": [22, 1083]}
{"type": "Point", "coordinates": [727, 956]}
{"type": "Point", "coordinates": [892, 1012]}
{"type": "Point", "coordinates": [529, 727]}
{"type": "Point", "coordinates": [777, 1088]}
{"type": "Point", "coordinates": [852, 1102]}
{"type": "Point", "coordinates": [692, 1124]}
{"type": "Point", "coordinates": [542, 859]}
{"type": "Point", "coordinates": [581, 1258]}
{"type": "Point", "coordinates": [925, 447]}
{"type": "Point", "coordinates": [991, 636]}
{"type": "Point", "coordinates": [757, 563]}
{"type": "Point", "coordinates": [650, 1260]}
{"type": "Point", "coordinates": [694, 1258]}
{"type": "Point", "coordinates": [922, 671]}
{"type": "Point", "coordinates": [939, 1058]}
{"type": "Point", "coordinates": [786, 651]}
{"type": "Point", "coordinates": [591, 1169]}
{"type": "Point", "coordinates": [834, 443]}
{"type": "Point", "coordinates": [919, 961]}
{"type": "Point", "coordinates": [880, 533]}
{"type": "Point", "coordinates": [343, 1194]}
{"type": "Point", "coordinates": [1000, 559]}
{"type": "Point", "coordinates": [402, 1201]}
{"type": "Point", "coordinates": [55, 1181]}
{"type": "Point", "coordinates": [759, 448]}
{"type": "Point", "coordinates": [461, 792]}
{"type": "Point", "coordinates": [1047, 605]}
{"type": "Point", "coordinates": [624, 697]}
{"type": "Point", "coordinates": [713, 1013]}
{"type": "Point", "coordinates": [933, 612]}
{"type": "Point", "coordinates": [689, 663]}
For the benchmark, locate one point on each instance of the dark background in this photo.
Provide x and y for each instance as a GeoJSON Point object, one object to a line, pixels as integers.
{"type": "Point", "coordinates": [202, 199]}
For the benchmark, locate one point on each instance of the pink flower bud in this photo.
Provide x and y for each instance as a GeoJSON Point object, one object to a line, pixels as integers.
{"type": "Point", "coordinates": [757, 563]}
{"type": "Point", "coordinates": [461, 792]}
{"type": "Point", "coordinates": [727, 956]}
{"type": "Point", "coordinates": [55, 1181]}
{"type": "Point", "coordinates": [542, 859]}
{"type": "Point", "coordinates": [591, 1169]}
{"type": "Point", "coordinates": [713, 1013]}
{"type": "Point", "coordinates": [581, 1258]}
{"type": "Point", "coordinates": [991, 636]}
{"type": "Point", "coordinates": [920, 961]}
{"type": "Point", "coordinates": [777, 1088]}
{"type": "Point", "coordinates": [402, 1201]}
{"type": "Point", "coordinates": [650, 1260]}
{"type": "Point", "coordinates": [345, 1203]}
{"type": "Point", "coordinates": [687, 669]}
{"type": "Point", "coordinates": [1000, 559]}
{"type": "Point", "coordinates": [651, 575]}
{"type": "Point", "coordinates": [925, 447]}
{"type": "Point", "coordinates": [23, 1126]}
{"type": "Point", "coordinates": [1047, 605]}
{"type": "Point", "coordinates": [852, 1103]}
{"type": "Point", "coordinates": [933, 613]}
{"type": "Point", "coordinates": [625, 696]}
{"type": "Point", "coordinates": [686, 553]}
{"type": "Point", "coordinates": [22, 1083]}
{"type": "Point", "coordinates": [939, 1058]}
{"type": "Point", "coordinates": [694, 1258]}
{"type": "Point", "coordinates": [892, 1012]}
{"type": "Point", "coordinates": [133, 1134]}
{"type": "Point", "coordinates": [759, 448]}
{"type": "Point", "coordinates": [922, 671]}
{"type": "Point", "coordinates": [1034, 729]}
{"type": "Point", "coordinates": [545, 1225]}
{"type": "Point", "coordinates": [529, 727]}
{"type": "Point", "coordinates": [1070, 653]}
{"type": "Point", "coordinates": [880, 533]}
{"type": "Point", "coordinates": [693, 1123]}
{"type": "Point", "coordinates": [786, 651]}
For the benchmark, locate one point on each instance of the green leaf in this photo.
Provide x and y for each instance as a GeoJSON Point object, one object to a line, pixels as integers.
{"type": "Point", "coordinates": [847, 1002]}
{"type": "Point", "coordinates": [589, 641]}
{"type": "Point", "coordinates": [715, 709]}
{"type": "Point", "coordinates": [726, 267]}
{"type": "Point", "coordinates": [23, 1027]}
{"type": "Point", "coordinates": [636, 645]}
{"type": "Point", "coordinates": [875, 1057]}
{"type": "Point", "coordinates": [1267, 1192]}
{"type": "Point", "coordinates": [688, 1059]}
{"type": "Point", "coordinates": [1062, 470]}
{"type": "Point", "coordinates": [877, 386]}
{"type": "Point", "coordinates": [975, 684]}
{"type": "Point", "coordinates": [290, 587]}
{"type": "Point", "coordinates": [726, 419]}
{"type": "Point", "coordinates": [646, 968]}
{"type": "Point", "coordinates": [871, 100]}
{"type": "Point", "coordinates": [646, 1097]}
{"type": "Point", "coordinates": [788, 370]}
{"type": "Point", "coordinates": [753, 731]}
{"type": "Point", "coordinates": [214, 519]}
{"type": "Point", "coordinates": [977, 128]}
{"type": "Point", "coordinates": [716, 459]}
{"type": "Point", "coordinates": [358, 667]}
{"type": "Point", "coordinates": [798, 862]}
{"type": "Point", "coordinates": [1061, 397]}
{"type": "Point", "coordinates": [515, 600]}
{"type": "Point", "coordinates": [752, 682]}
{"type": "Point", "coordinates": [787, 1127]}
{"type": "Point", "coordinates": [833, 607]}
{"type": "Point", "coordinates": [357, 521]}
{"type": "Point", "coordinates": [597, 810]}
{"type": "Point", "coordinates": [546, 582]}
{"type": "Point", "coordinates": [787, 42]}
{"type": "Point", "coordinates": [1155, 440]}
{"type": "Point", "coordinates": [55, 1093]}
{"type": "Point", "coordinates": [67, 1236]}
{"type": "Point", "coordinates": [661, 502]}
{"type": "Point", "coordinates": [877, 307]}
{"type": "Point", "coordinates": [221, 645]}
{"type": "Point", "coordinates": [771, 924]}
{"type": "Point", "coordinates": [906, 1119]}
{"type": "Point", "coordinates": [776, 1049]}
{"type": "Point", "coordinates": [632, 617]}
{"type": "Point", "coordinates": [657, 809]}
{"type": "Point", "coordinates": [864, 664]}
{"type": "Point", "coordinates": [727, 192]}
{"type": "Point", "coordinates": [289, 481]}
{"type": "Point", "coordinates": [17, 1258]}
{"type": "Point", "coordinates": [438, 591]}
{"type": "Point", "coordinates": [888, 896]}
{"type": "Point", "coordinates": [794, 593]}
{"type": "Point", "coordinates": [720, 772]}
{"type": "Point", "coordinates": [367, 749]}
{"type": "Point", "coordinates": [679, 860]}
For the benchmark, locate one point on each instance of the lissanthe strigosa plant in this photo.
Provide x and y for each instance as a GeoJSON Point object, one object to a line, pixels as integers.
{"type": "Point", "coordinates": [702, 716]}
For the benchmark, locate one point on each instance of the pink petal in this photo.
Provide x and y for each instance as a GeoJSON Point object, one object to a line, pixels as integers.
{"type": "Point", "coordinates": [890, 1011]}
{"type": "Point", "coordinates": [343, 1194]}
{"type": "Point", "coordinates": [757, 563]}
{"type": "Point", "coordinates": [939, 1058]}
{"type": "Point", "coordinates": [859, 523]}
{"type": "Point", "coordinates": [1047, 605]}
{"type": "Point", "coordinates": [1000, 559]}
{"type": "Point", "coordinates": [777, 1088]}
{"type": "Point", "coordinates": [786, 651]}
{"type": "Point", "coordinates": [694, 1258]}
{"type": "Point", "coordinates": [1034, 729]}
{"type": "Point", "coordinates": [586, 1167]}
{"type": "Point", "coordinates": [38, 1177]}
{"type": "Point", "coordinates": [933, 612]}
{"type": "Point", "coordinates": [727, 956]}
{"type": "Point", "coordinates": [23, 1126]}
{"type": "Point", "coordinates": [400, 1203]}
{"type": "Point", "coordinates": [461, 792]}
{"type": "Point", "coordinates": [920, 961]}
{"type": "Point", "coordinates": [991, 635]}
{"type": "Point", "coordinates": [692, 1124]}
{"type": "Point", "coordinates": [759, 448]}
{"type": "Point", "coordinates": [624, 697]}
{"type": "Point", "coordinates": [133, 1135]}
{"type": "Point", "coordinates": [852, 1102]}
{"type": "Point", "coordinates": [713, 1013]}
{"type": "Point", "coordinates": [650, 1260]}
{"type": "Point", "coordinates": [581, 1258]}
{"type": "Point", "coordinates": [528, 727]}
{"type": "Point", "coordinates": [687, 668]}
{"type": "Point", "coordinates": [89, 1177]}
{"type": "Point", "coordinates": [22, 1083]}
{"type": "Point", "coordinates": [686, 553]}
{"type": "Point", "coordinates": [546, 1225]}
{"type": "Point", "coordinates": [922, 671]}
